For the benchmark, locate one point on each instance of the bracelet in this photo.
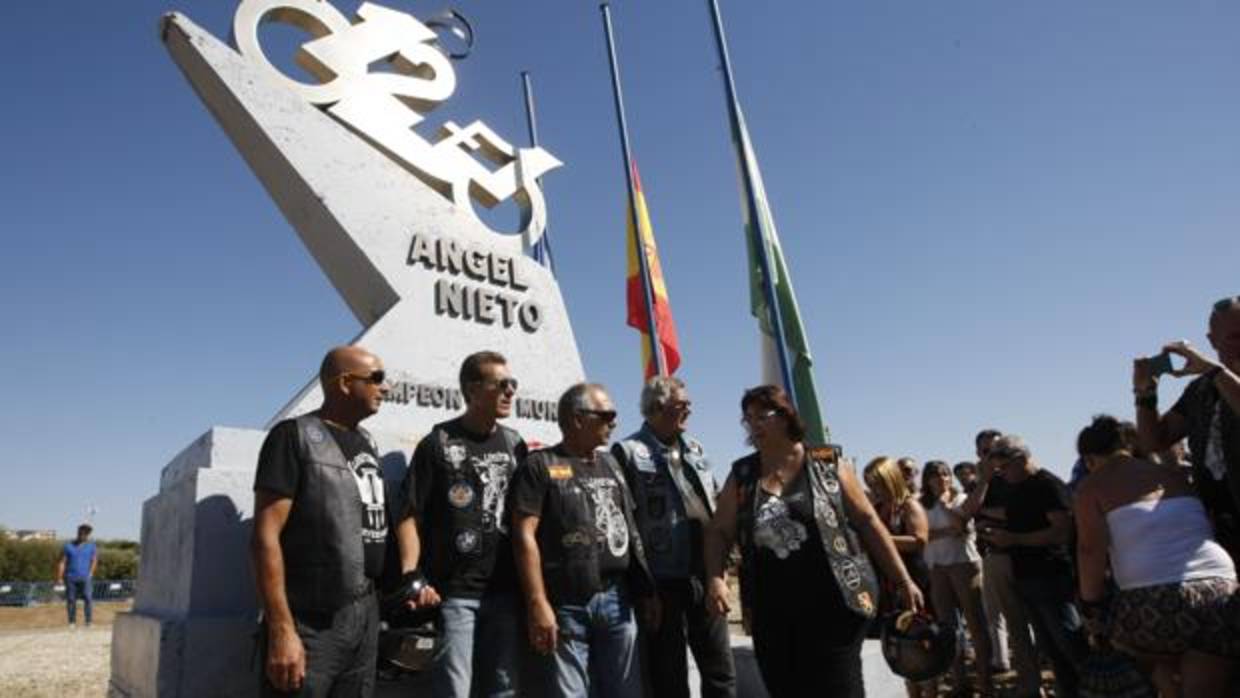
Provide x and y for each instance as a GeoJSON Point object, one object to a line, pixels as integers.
{"type": "Point", "coordinates": [1148, 401]}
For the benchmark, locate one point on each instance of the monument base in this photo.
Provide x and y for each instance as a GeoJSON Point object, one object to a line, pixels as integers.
{"type": "Point", "coordinates": [191, 657]}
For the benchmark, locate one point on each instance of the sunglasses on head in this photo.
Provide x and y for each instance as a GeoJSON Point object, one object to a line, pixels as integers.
{"type": "Point", "coordinates": [1226, 304]}
{"type": "Point", "coordinates": [376, 377]}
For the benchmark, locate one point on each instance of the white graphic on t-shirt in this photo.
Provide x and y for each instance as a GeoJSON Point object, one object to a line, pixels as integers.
{"type": "Point", "coordinates": [495, 471]}
{"type": "Point", "coordinates": [608, 518]}
{"type": "Point", "coordinates": [776, 530]}
{"type": "Point", "coordinates": [369, 481]}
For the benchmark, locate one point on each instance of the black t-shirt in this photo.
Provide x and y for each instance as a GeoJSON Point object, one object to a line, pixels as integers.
{"type": "Point", "coordinates": [591, 480]}
{"type": "Point", "coordinates": [279, 471]}
{"type": "Point", "coordinates": [457, 490]}
{"type": "Point", "coordinates": [996, 498]}
{"type": "Point", "coordinates": [1214, 445]}
{"type": "Point", "coordinates": [1028, 503]}
{"type": "Point", "coordinates": [792, 568]}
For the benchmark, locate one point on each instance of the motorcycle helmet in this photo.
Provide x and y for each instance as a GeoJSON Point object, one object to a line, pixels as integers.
{"type": "Point", "coordinates": [917, 647]}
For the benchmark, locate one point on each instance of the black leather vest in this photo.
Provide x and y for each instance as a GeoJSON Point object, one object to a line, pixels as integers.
{"type": "Point", "coordinates": [567, 536]}
{"type": "Point", "coordinates": [324, 562]}
{"type": "Point", "coordinates": [849, 564]}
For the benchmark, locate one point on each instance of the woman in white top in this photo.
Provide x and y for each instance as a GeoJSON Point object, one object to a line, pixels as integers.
{"type": "Point", "coordinates": [955, 568]}
{"type": "Point", "coordinates": [1177, 604]}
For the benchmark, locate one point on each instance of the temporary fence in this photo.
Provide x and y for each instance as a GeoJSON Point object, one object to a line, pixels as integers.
{"type": "Point", "coordinates": [34, 593]}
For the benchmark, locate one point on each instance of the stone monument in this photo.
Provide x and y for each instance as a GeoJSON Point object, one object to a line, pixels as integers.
{"type": "Point", "coordinates": [388, 213]}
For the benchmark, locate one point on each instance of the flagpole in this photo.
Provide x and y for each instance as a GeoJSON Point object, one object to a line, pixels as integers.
{"type": "Point", "coordinates": [656, 349]}
{"type": "Point", "coordinates": [531, 121]}
{"type": "Point", "coordinates": [764, 259]}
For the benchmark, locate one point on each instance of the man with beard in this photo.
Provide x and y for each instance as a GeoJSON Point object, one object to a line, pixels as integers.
{"type": "Point", "coordinates": [675, 491]}
{"type": "Point", "coordinates": [320, 529]}
{"type": "Point", "coordinates": [453, 535]}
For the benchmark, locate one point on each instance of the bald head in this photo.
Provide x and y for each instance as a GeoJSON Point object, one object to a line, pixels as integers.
{"type": "Point", "coordinates": [341, 360]}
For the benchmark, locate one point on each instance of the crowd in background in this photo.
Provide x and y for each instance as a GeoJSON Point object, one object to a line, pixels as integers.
{"type": "Point", "coordinates": [1133, 557]}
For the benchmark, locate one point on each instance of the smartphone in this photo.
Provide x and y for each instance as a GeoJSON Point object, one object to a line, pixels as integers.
{"type": "Point", "coordinates": [1162, 363]}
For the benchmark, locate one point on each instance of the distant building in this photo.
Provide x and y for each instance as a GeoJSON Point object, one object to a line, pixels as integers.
{"type": "Point", "coordinates": [30, 534]}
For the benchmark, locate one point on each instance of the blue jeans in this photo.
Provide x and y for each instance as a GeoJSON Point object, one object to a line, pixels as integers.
{"type": "Point", "coordinates": [75, 588]}
{"type": "Point", "coordinates": [597, 656]}
{"type": "Point", "coordinates": [1057, 627]}
{"type": "Point", "coordinates": [476, 652]}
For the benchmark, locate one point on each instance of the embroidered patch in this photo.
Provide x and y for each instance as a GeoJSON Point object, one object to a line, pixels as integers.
{"type": "Point", "coordinates": [467, 541]}
{"type": "Point", "coordinates": [575, 538]}
{"type": "Point", "coordinates": [865, 602]}
{"type": "Point", "coordinates": [455, 453]}
{"type": "Point", "coordinates": [560, 472]}
{"type": "Point", "coordinates": [832, 485]}
{"type": "Point", "coordinates": [460, 495]}
{"type": "Point", "coordinates": [315, 435]}
{"type": "Point", "coordinates": [840, 546]}
{"type": "Point", "coordinates": [850, 575]}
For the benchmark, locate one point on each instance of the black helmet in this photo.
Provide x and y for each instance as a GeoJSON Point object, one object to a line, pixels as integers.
{"type": "Point", "coordinates": [918, 648]}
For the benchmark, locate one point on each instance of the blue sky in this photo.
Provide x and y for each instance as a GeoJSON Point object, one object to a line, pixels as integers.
{"type": "Point", "coordinates": [988, 210]}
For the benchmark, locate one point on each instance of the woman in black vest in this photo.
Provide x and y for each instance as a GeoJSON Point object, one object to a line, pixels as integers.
{"type": "Point", "coordinates": [807, 587]}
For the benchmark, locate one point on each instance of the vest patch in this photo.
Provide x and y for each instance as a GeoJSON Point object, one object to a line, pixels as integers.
{"type": "Point", "coordinates": [460, 495]}
{"type": "Point", "coordinates": [560, 472]}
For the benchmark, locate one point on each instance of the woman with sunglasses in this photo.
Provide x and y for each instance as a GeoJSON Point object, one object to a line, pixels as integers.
{"type": "Point", "coordinates": [955, 569]}
{"type": "Point", "coordinates": [808, 589]}
{"type": "Point", "coordinates": [905, 519]}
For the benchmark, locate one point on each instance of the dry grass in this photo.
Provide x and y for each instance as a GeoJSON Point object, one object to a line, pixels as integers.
{"type": "Point", "coordinates": [40, 656]}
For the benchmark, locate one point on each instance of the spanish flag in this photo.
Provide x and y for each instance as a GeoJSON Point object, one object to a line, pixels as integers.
{"type": "Point", "coordinates": [665, 328]}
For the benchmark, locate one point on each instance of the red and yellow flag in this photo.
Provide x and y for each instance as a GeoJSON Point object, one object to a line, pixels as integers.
{"type": "Point", "coordinates": [665, 328]}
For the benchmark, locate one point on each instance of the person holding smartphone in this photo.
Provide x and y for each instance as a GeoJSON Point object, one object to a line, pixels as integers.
{"type": "Point", "coordinates": [1208, 413]}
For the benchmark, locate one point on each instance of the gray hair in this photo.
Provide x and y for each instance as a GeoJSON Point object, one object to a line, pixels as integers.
{"type": "Point", "coordinates": [574, 400]}
{"type": "Point", "coordinates": [657, 392]}
{"type": "Point", "coordinates": [1010, 446]}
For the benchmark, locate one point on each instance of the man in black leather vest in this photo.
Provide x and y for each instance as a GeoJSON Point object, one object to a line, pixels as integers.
{"type": "Point", "coordinates": [320, 528]}
{"type": "Point", "coordinates": [580, 558]}
{"type": "Point", "coordinates": [674, 491]}
{"type": "Point", "coordinates": [454, 531]}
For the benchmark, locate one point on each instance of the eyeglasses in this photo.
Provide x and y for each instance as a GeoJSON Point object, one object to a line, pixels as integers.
{"type": "Point", "coordinates": [750, 420]}
{"type": "Point", "coordinates": [376, 377]}
{"type": "Point", "coordinates": [504, 384]}
{"type": "Point", "coordinates": [605, 416]}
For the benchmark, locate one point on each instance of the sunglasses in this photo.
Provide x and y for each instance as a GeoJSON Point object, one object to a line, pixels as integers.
{"type": "Point", "coordinates": [377, 377]}
{"type": "Point", "coordinates": [504, 384]}
{"type": "Point", "coordinates": [606, 416]}
{"type": "Point", "coordinates": [752, 419]}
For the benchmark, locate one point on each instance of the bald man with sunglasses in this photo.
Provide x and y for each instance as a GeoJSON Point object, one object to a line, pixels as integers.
{"type": "Point", "coordinates": [320, 528]}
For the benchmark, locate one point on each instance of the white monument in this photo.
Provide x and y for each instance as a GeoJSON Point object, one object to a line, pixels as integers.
{"type": "Point", "coordinates": [387, 211]}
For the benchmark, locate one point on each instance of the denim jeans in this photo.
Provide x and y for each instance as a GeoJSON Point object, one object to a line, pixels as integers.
{"type": "Point", "coordinates": [75, 588]}
{"type": "Point", "coordinates": [477, 649]}
{"type": "Point", "coordinates": [597, 653]}
{"type": "Point", "coordinates": [1057, 627]}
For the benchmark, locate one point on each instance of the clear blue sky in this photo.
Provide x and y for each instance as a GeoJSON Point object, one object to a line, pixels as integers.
{"type": "Point", "coordinates": [988, 209]}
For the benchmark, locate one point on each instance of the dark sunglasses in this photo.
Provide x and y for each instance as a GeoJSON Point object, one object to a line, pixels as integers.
{"type": "Point", "coordinates": [606, 416]}
{"type": "Point", "coordinates": [503, 384]}
{"type": "Point", "coordinates": [377, 377]}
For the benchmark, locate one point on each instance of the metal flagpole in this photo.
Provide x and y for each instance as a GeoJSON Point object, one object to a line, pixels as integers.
{"type": "Point", "coordinates": [542, 251]}
{"type": "Point", "coordinates": [656, 349]}
{"type": "Point", "coordinates": [760, 241]}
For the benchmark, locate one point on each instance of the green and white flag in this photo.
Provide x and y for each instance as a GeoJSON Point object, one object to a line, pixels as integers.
{"type": "Point", "coordinates": [760, 230]}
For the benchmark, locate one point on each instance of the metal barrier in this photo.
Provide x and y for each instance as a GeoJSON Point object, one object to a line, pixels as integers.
{"type": "Point", "coordinates": [35, 593]}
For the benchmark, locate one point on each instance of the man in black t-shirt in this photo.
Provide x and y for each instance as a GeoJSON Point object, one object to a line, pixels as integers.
{"type": "Point", "coordinates": [320, 528]}
{"type": "Point", "coordinates": [1038, 533]}
{"type": "Point", "coordinates": [1208, 413]}
{"type": "Point", "coordinates": [579, 556]}
{"type": "Point", "coordinates": [454, 531]}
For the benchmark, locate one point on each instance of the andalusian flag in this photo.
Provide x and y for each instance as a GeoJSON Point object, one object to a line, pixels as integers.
{"type": "Point", "coordinates": [636, 293]}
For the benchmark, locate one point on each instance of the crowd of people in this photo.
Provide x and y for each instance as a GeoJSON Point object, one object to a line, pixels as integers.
{"type": "Point", "coordinates": [591, 568]}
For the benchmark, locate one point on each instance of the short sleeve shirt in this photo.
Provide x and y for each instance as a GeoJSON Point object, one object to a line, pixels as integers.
{"type": "Point", "coordinates": [585, 487]}
{"type": "Point", "coordinates": [78, 558]}
{"type": "Point", "coordinates": [1028, 504]}
{"type": "Point", "coordinates": [457, 490]}
{"type": "Point", "coordinates": [1214, 444]}
{"type": "Point", "coordinates": [280, 468]}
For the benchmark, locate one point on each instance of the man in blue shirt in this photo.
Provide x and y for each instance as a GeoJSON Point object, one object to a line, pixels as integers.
{"type": "Point", "coordinates": [76, 568]}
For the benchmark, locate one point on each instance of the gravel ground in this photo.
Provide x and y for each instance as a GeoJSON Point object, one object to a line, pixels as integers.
{"type": "Point", "coordinates": [55, 662]}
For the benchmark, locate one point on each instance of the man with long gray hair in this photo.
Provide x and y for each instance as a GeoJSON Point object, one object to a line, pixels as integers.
{"type": "Point", "coordinates": [670, 477]}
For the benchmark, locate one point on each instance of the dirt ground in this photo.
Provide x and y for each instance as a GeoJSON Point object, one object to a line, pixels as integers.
{"type": "Point", "coordinates": [40, 656]}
